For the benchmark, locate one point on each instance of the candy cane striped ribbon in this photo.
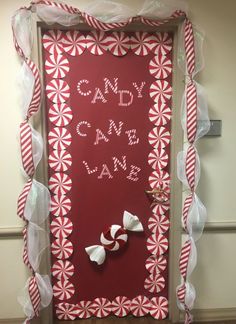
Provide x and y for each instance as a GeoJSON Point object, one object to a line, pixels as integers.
{"type": "Point", "coordinates": [189, 47]}
{"type": "Point", "coordinates": [187, 204]}
{"type": "Point", "coordinates": [152, 22]}
{"type": "Point", "coordinates": [22, 199]}
{"type": "Point", "coordinates": [62, 6]}
{"type": "Point", "coordinates": [34, 295]}
{"type": "Point", "coordinates": [190, 166]}
{"type": "Point", "coordinates": [191, 111]}
{"type": "Point", "coordinates": [97, 24]}
{"type": "Point", "coordinates": [36, 98]}
{"type": "Point", "coordinates": [25, 249]}
{"type": "Point", "coordinates": [184, 258]}
{"type": "Point", "coordinates": [26, 148]}
{"type": "Point", "coordinates": [181, 292]}
{"type": "Point", "coordinates": [188, 317]}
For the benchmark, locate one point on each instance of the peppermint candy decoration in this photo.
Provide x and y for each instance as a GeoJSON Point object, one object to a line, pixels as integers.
{"type": "Point", "coordinates": [60, 114]}
{"type": "Point", "coordinates": [60, 183]}
{"type": "Point", "coordinates": [142, 43]}
{"type": "Point", "coordinates": [140, 306]}
{"type": "Point", "coordinates": [160, 208]}
{"type": "Point", "coordinates": [60, 161]}
{"type": "Point", "coordinates": [60, 205]}
{"type": "Point", "coordinates": [62, 248]}
{"type": "Point", "coordinates": [160, 114]}
{"type": "Point", "coordinates": [52, 41]}
{"type": "Point", "coordinates": [159, 308]}
{"type": "Point", "coordinates": [59, 138]}
{"type": "Point", "coordinates": [154, 283]}
{"type": "Point", "coordinates": [158, 159]}
{"type": "Point", "coordinates": [157, 244]}
{"type": "Point", "coordinates": [114, 238]}
{"type": "Point", "coordinates": [74, 43]}
{"type": "Point", "coordinates": [159, 177]}
{"type": "Point", "coordinates": [121, 306]}
{"type": "Point", "coordinates": [160, 67]}
{"type": "Point", "coordinates": [96, 42]}
{"type": "Point", "coordinates": [160, 91]}
{"type": "Point", "coordinates": [57, 66]}
{"type": "Point", "coordinates": [102, 307]}
{"type": "Point", "coordinates": [63, 290]}
{"type": "Point", "coordinates": [156, 264]}
{"type": "Point", "coordinates": [163, 44]}
{"type": "Point", "coordinates": [85, 309]}
{"type": "Point", "coordinates": [58, 91]}
{"type": "Point", "coordinates": [158, 223]}
{"type": "Point", "coordinates": [62, 270]}
{"type": "Point", "coordinates": [118, 43]}
{"type": "Point", "coordinates": [61, 227]}
{"type": "Point", "coordinates": [159, 137]}
{"type": "Point", "coordinates": [65, 311]}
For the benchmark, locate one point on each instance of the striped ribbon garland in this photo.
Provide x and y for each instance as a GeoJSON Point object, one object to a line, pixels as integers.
{"type": "Point", "coordinates": [26, 148]}
{"type": "Point", "coordinates": [34, 294]}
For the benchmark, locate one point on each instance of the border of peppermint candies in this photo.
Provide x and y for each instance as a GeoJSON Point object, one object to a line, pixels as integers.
{"type": "Point", "coordinates": [118, 43]}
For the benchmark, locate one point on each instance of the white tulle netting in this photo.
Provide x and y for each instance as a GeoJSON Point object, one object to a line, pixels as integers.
{"type": "Point", "coordinates": [34, 201]}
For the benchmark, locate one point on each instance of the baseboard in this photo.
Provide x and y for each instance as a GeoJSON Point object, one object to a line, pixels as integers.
{"type": "Point", "coordinates": [12, 320]}
{"type": "Point", "coordinates": [214, 314]}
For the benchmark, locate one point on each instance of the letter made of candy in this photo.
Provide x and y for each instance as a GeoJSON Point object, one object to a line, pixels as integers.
{"type": "Point", "coordinates": [114, 238]}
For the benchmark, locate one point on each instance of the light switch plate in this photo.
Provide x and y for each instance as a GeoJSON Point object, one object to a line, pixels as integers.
{"type": "Point", "coordinates": [215, 128]}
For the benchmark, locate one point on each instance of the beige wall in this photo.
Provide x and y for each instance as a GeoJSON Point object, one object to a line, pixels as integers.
{"type": "Point", "coordinates": [214, 277]}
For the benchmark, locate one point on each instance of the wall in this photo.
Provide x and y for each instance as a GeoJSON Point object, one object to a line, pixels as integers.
{"type": "Point", "coordinates": [215, 273]}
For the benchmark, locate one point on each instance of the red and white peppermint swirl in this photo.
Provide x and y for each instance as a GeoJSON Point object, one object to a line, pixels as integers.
{"type": "Point", "coordinates": [160, 67]}
{"type": "Point", "coordinates": [159, 308]}
{"type": "Point", "coordinates": [154, 283]}
{"type": "Point", "coordinates": [65, 311]}
{"type": "Point", "coordinates": [158, 159]}
{"type": "Point", "coordinates": [158, 223]}
{"type": "Point", "coordinates": [160, 91]}
{"type": "Point", "coordinates": [159, 177]}
{"type": "Point", "coordinates": [59, 138]}
{"type": "Point", "coordinates": [57, 66]}
{"type": "Point", "coordinates": [60, 183]}
{"type": "Point", "coordinates": [114, 238]}
{"type": "Point", "coordinates": [118, 43]}
{"type": "Point", "coordinates": [63, 290]}
{"type": "Point", "coordinates": [121, 306]}
{"type": "Point", "coordinates": [160, 208]}
{"type": "Point", "coordinates": [52, 41]}
{"type": "Point", "coordinates": [156, 264]}
{"type": "Point", "coordinates": [62, 248]}
{"type": "Point", "coordinates": [157, 244]}
{"type": "Point", "coordinates": [159, 137]}
{"type": "Point", "coordinates": [58, 91]}
{"type": "Point", "coordinates": [60, 161]}
{"type": "Point", "coordinates": [74, 43]}
{"type": "Point", "coordinates": [140, 306]}
{"type": "Point", "coordinates": [60, 205]}
{"type": "Point", "coordinates": [142, 43]}
{"type": "Point", "coordinates": [62, 270]}
{"type": "Point", "coordinates": [102, 307]}
{"type": "Point", "coordinates": [96, 42]}
{"type": "Point", "coordinates": [160, 114]}
{"type": "Point", "coordinates": [85, 309]}
{"type": "Point", "coordinates": [163, 44]}
{"type": "Point", "coordinates": [60, 114]}
{"type": "Point", "coordinates": [61, 227]}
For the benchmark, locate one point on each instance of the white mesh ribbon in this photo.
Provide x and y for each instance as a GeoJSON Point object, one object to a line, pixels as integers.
{"type": "Point", "coordinates": [37, 203]}
{"type": "Point", "coordinates": [26, 82]}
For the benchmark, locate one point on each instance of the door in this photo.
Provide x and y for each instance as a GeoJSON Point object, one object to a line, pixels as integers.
{"type": "Point", "coordinates": [108, 101]}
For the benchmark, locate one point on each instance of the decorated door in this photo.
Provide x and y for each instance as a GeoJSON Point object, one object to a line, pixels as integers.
{"type": "Point", "coordinates": [108, 113]}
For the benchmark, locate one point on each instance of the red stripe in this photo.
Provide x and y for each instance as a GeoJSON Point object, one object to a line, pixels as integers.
{"type": "Point", "coordinates": [189, 47]}
{"type": "Point", "coordinates": [155, 22]}
{"type": "Point", "coordinates": [190, 167]}
{"type": "Point", "coordinates": [184, 258]}
{"type": "Point", "coordinates": [187, 204]}
{"type": "Point", "coordinates": [25, 249]}
{"type": "Point", "coordinates": [22, 199]}
{"type": "Point", "coordinates": [181, 293]}
{"type": "Point", "coordinates": [191, 114]}
{"type": "Point", "coordinates": [36, 97]}
{"type": "Point", "coordinates": [34, 295]}
{"type": "Point", "coordinates": [26, 148]}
